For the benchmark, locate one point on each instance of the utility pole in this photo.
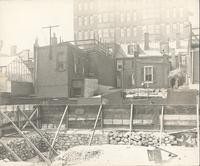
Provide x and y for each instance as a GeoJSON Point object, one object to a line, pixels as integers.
{"type": "Point", "coordinates": [50, 27]}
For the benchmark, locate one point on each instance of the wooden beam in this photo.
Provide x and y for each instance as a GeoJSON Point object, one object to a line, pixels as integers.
{"type": "Point", "coordinates": [58, 129]}
{"type": "Point", "coordinates": [30, 118]}
{"type": "Point", "coordinates": [37, 130]}
{"type": "Point", "coordinates": [198, 136]}
{"type": "Point", "coordinates": [26, 138]}
{"type": "Point", "coordinates": [95, 124]}
{"type": "Point", "coordinates": [131, 124]}
{"type": "Point", "coordinates": [161, 123]}
{"type": "Point", "coordinates": [17, 158]}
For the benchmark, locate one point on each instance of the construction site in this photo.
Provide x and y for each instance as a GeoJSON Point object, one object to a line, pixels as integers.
{"type": "Point", "coordinates": [93, 134]}
{"type": "Point", "coordinates": [122, 91]}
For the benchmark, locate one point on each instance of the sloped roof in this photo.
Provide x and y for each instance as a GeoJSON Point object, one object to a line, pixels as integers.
{"type": "Point", "coordinates": [5, 60]}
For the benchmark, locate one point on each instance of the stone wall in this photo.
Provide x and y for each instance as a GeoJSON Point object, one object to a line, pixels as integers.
{"type": "Point", "coordinates": [188, 139]}
{"type": "Point", "coordinates": [64, 142]}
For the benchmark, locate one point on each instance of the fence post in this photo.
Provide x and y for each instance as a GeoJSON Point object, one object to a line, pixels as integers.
{"type": "Point", "coordinates": [18, 118]}
{"type": "Point", "coordinates": [131, 124]}
{"type": "Point", "coordinates": [67, 118]}
{"type": "Point", "coordinates": [161, 124]}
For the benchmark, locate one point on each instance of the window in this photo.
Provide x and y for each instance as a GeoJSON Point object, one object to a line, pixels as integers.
{"type": "Point", "coordinates": [157, 29]}
{"type": "Point", "coordinates": [100, 33]}
{"type": "Point", "coordinates": [183, 60]}
{"type": "Point", "coordinates": [134, 16]}
{"type": "Point", "coordinates": [119, 65]}
{"type": "Point", "coordinates": [105, 33]}
{"type": "Point", "coordinates": [174, 27]}
{"type": "Point", "coordinates": [105, 17]}
{"type": "Point", "coordinates": [112, 33]}
{"type": "Point", "coordinates": [122, 34]}
{"type": "Point", "coordinates": [128, 17]}
{"type": "Point", "coordinates": [80, 6]}
{"type": "Point", "coordinates": [181, 12]}
{"type": "Point", "coordinates": [181, 28]}
{"type": "Point", "coordinates": [167, 13]}
{"type": "Point", "coordinates": [85, 6]}
{"type": "Point", "coordinates": [148, 74]}
{"type": "Point", "coordinates": [100, 18]}
{"type": "Point", "coordinates": [80, 21]}
{"type": "Point", "coordinates": [60, 62]}
{"type": "Point", "coordinates": [86, 36]}
{"type": "Point", "coordinates": [128, 31]}
{"type": "Point", "coordinates": [174, 12]}
{"type": "Point", "coordinates": [167, 28]}
{"type": "Point", "coordinates": [111, 17]}
{"type": "Point", "coordinates": [122, 17]}
{"type": "Point", "coordinates": [91, 5]}
{"type": "Point", "coordinates": [91, 34]}
{"type": "Point", "coordinates": [91, 20]}
{"type": "Point", "coordinates": [85, 21]}
{"type": "Point", "coordinates": [135, 31]}
{"type": "Point", "coordinates": [150, 29]}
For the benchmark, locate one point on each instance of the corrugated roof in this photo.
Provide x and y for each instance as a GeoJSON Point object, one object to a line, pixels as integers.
{"type": "Point", "coordinates": [5, 60]}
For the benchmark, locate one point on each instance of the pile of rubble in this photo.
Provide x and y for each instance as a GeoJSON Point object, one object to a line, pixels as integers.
{"type": "Point", "coordinates": [148, 139]}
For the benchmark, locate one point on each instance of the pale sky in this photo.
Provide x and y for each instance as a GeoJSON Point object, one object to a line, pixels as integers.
{"type": "Point", "coordinates": [21, 21]}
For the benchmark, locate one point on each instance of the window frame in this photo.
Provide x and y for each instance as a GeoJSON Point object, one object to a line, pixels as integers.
{"type": "Point", "coordinates": [144, 79]}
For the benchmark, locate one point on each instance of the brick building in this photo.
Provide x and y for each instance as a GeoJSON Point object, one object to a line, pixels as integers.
{"type": "Point", "coordinates": [150, 68]}
{"type": "Point", "coordinates": [126, 21]}
{"type": "Point", "coordinates": [72, 69]}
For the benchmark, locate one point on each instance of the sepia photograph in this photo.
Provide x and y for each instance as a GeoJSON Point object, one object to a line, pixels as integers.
{"type": "Point", "coordinates": [99, 83]}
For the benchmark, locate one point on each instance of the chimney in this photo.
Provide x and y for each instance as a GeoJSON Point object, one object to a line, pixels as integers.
{"type": "Point", "coordinates": [13, 50]}
{"type": "Point", "coordinates": [54, 39]}
{"type": "Point", "coordinates": [146, 41]}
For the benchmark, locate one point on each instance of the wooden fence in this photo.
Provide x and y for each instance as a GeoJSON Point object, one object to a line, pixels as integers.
{"type": "Point", "coordinates": [144, 117]}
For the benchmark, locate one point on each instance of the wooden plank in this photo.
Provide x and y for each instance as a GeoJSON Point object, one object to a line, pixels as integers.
{"type": "Point", "coordinates": [180, 123]}
{"type": "Point", "coordinates": [180, 117]}
{"type": "Point", "coordinates": [58, 129]}
{"type": "Point", "coordinates": [17, 158]}
{"type": "Point", "coordinates": [25, 137]}
{"type": "Point", "coordinates": [161, 124]}
{"type": "Point", "coordinates": [131, 124]}
{"type": "Point", "coordinates": [37, 130]}
{"type": "Point", "coordinates": [95, 124]}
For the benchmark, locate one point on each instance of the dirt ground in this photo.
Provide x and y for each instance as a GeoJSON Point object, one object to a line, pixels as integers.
{"type": "Point", "coordinates": [117, 155]}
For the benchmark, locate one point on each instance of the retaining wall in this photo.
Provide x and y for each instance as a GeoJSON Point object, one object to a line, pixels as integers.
{"type": "Point", "coordinates": [63, 142]}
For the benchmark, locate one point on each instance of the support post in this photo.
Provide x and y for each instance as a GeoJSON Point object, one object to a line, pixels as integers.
{"type": "Point", "coordinates": [36, 129]}
{"type": "Point", "coordinates": [95, 124]}
{"type": "Point", "coordinates": [58, 129]}
{"type": "Point", "coordinates": [161, 123]}
{"type": "Point", "coordinates": [131, 124]}
{"type": "Point", "coordinates": [26, 138]}
{"type": "Point", "coordinates": [17, 158]}
{"type": "Point", "coordinates": [198, 136]}
{"type": "Point", "coordinates": [67, 118]}
{"type": "Point", "coordinates": [18, 118]}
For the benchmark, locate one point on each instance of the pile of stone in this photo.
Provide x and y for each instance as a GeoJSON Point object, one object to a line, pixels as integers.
{"type": "Point", "coordinates": [143, 139]}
